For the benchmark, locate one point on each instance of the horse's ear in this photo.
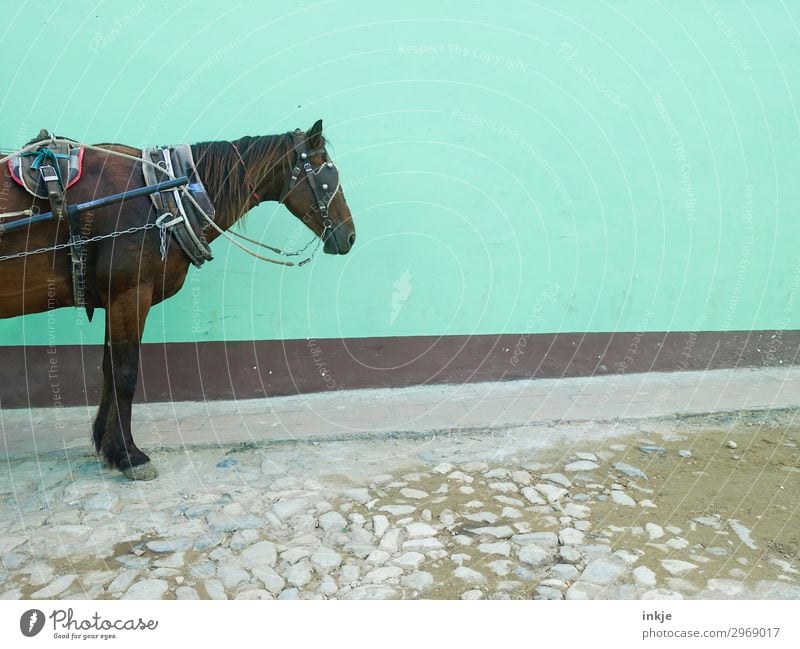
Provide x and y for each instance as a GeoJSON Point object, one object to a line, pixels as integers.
{"type": "Point", "coordinates": [314, 136]}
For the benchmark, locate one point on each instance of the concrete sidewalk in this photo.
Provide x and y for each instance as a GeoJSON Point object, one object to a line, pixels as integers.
{"type": "Point", "coordinates": [418, 410]}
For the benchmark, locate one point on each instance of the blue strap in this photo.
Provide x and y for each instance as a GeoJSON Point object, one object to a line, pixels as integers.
{"type": "Point", "coordinates": [45, 155]}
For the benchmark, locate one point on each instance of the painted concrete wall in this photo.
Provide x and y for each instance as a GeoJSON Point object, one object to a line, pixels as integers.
{"type": "Point", "coordinates": [557, 166]}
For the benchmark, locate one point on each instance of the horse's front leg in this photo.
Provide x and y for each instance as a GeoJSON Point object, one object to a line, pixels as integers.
{"type": "Point", "coordinates": [125, 316]}
{"type": "Point", "coordinates": [101, 421]}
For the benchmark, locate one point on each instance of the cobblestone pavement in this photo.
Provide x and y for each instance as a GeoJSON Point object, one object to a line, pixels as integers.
{"type": "Point", "coordinates": [658, 509]}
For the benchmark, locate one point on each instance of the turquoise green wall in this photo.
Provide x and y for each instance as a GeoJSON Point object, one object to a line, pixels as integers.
{"type": "Point", "coordinates": [548, 166]}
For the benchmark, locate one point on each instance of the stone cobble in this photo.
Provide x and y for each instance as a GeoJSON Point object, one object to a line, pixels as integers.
{"type": "Point", "coordinates": [478, 517]}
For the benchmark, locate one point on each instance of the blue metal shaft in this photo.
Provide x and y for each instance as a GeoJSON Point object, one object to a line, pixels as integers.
{"type": "Point", "coordinates": [97, 203]}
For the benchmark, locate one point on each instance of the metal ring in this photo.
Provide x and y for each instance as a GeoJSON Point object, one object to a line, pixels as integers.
{"type": "Point", "coordinates": [327, 224]}
{"type": "Point", "coordinates": [35, 209]}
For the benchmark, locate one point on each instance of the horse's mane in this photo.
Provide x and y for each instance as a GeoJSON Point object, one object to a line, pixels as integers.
{"type": "Point", "coordinates": [227, 181]}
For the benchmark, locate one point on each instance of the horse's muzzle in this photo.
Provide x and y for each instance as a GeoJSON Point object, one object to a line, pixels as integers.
{"type": "Point", "coordinates": [339, 243]}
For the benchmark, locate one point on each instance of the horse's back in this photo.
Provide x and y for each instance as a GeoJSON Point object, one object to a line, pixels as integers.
{"type": "Point", "coordinates": [120, 148]}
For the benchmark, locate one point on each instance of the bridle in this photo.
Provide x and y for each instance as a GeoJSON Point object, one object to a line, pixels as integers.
{"type": "Point", "coordinates": [324, 182]}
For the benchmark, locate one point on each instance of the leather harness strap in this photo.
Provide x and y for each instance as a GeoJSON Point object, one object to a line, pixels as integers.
{"type": "Point", "coordinates": [57, 195]}
{"type": "Point", "coordinates": [324, 182]}
{"type": "Point", "coordinates": [177, 217]}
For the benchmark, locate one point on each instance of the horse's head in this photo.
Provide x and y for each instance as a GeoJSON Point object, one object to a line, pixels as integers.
{"type": "Point", "coordinates": [313, 192]}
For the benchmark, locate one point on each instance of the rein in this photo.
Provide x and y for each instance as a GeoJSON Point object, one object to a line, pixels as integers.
{"type": "Point", "coordinates": [323, 201]}
{"type": "Point", "coordinates": [323, 195]}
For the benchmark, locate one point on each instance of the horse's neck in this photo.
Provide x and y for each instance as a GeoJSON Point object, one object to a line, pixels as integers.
{"type": "Point", "coordinates": [239, 175]}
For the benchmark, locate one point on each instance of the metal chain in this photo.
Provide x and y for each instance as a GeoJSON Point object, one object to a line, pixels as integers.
{"type": "Point", "coordinates": [184, 191]}
{"type": "Point", "coordinates": [303, 249]}
{"type": "Point", "coordinates": [227, 235]}
{"type": "Point", "coordinates": [99, 237]}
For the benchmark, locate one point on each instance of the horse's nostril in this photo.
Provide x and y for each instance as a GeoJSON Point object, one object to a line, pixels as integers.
{"type": "Point", "coordinates": [352, 239]}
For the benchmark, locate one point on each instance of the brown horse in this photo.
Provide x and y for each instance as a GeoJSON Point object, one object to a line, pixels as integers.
{"type": "Point", "coordinates": [126, 275]}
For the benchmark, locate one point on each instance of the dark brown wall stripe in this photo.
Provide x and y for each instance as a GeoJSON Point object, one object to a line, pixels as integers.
{"type": "Point", "coordinates": [70, 375]}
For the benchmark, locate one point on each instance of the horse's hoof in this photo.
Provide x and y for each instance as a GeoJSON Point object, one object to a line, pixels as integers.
{"type": "Point", "coordinates": [144, 471]}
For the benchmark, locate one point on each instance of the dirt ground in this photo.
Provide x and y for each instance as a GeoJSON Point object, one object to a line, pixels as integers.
{"type": "Point", "coordinates": [702, 507]}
